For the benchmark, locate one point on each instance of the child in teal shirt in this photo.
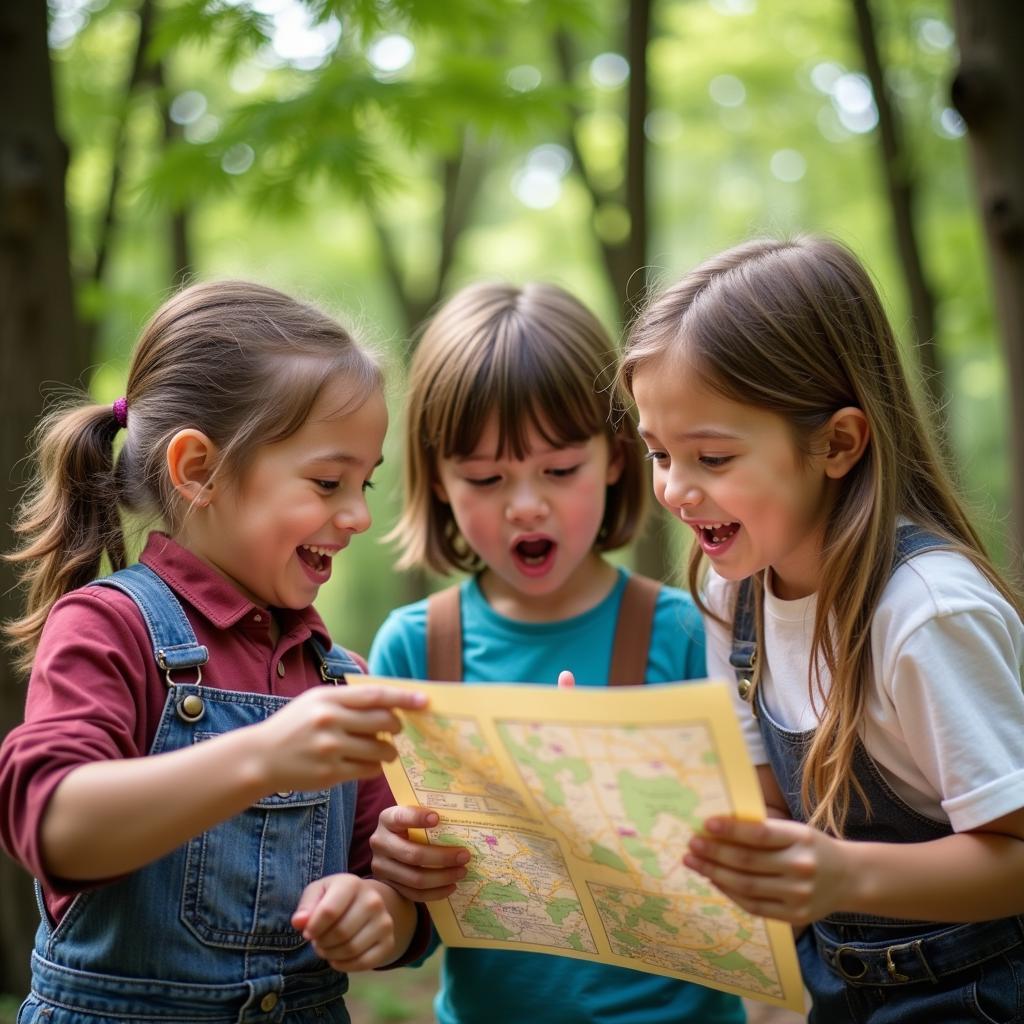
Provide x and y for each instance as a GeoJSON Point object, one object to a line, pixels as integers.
{"type": "Point", "coordinates": [515, 473]}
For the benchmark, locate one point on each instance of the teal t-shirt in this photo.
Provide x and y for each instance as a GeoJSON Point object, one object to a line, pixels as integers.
{"type": "Point", "coordinates": [496, 986]}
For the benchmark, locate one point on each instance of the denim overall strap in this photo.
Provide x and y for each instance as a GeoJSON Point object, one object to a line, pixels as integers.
{"type": "Point", "coordinates": [743, 656]}
{"type": "Point", "coordinates": [912, 540]}
{"type": "Point", "coordinates": [174, 642]}
{"type": "Point", "coordinates": [334, 663]}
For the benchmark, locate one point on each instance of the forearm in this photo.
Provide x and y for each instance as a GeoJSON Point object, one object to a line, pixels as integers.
{"type": "Point", "coordinates": [107, 818]}
{"type": "Point", "coordinates": [970, 876]}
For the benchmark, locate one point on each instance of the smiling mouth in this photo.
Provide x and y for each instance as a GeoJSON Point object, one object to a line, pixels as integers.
{"type": "Point", "coordinates": [317, 558]}
{"type": "Point", "coordinates": [714, 534]}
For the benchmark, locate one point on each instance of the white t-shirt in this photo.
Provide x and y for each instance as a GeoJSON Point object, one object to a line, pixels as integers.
{"type": "Point", "coordinates": [944, 719]}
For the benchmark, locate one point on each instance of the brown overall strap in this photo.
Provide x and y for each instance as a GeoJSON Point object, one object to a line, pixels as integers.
{"type": "Point", "coordinates": [444, 636]}
{"type": "Point", "coordinates": [629, 651]}
{"type": "Point", "coordinates": [633, 632]}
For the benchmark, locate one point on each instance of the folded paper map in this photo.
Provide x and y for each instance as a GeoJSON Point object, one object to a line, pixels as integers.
{"type": "Point", "coordinates": [577, 806]}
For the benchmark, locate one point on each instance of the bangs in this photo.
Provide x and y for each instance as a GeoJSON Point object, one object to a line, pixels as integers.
{"type": "Point", "coordinates": [524, 379]}
{"type": "Point", "coordinates": [296, 383]}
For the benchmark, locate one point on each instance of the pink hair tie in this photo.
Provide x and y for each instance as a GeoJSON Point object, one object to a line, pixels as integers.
{"type": "Point", "coordinates": [121, 412]}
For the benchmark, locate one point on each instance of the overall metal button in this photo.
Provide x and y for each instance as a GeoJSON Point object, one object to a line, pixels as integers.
{"type": "Point", "coordinates": [268, 1002]}
{"type": "Point", "coordinates": [280, 669]}
{"type": "Point", "coordinates": [191, 708]}
{"type": "Point", "coordinates": [744, 687]}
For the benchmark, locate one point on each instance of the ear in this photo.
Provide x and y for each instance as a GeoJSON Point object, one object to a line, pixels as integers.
{"type": "Point", "coordinates": [440, 492]}
{"type": "Point", "coordinates": [847, 434]}
{"type": "Point", "coordinates": [616, 462]}
{"type": "Point", "coordinates": [191, 460]}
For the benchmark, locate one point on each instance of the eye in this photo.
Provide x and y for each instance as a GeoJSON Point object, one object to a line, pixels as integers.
{"type": "Point", "coordinates": [564, 471]}
{"type": "Point", "coordinates": [714, 461]}
{"type": "Point", "coordinates": [482, 481]}
{"type": "Point", "coordinates": [327, 485]}
{"type": "Point", "coordinates": [368, 485]}
{"type": "Point", "coordinates": [656, 456]}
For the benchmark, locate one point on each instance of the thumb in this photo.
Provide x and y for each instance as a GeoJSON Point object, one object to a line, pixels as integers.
{"type": "Point", "coordinates": [400, 819]}
{"type": "Point", "coordinates": [566, 680]}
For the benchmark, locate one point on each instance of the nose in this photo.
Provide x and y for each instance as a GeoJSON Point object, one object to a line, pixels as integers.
{"type": "Point", "coordinates": [526, 505]}
{"type": "Point", "coordinates": [679, 491]}
{"type": "Point", "coordinates": [354, 516]}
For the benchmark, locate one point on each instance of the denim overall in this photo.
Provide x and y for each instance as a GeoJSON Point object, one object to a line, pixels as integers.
{"type": "Point", "coordinates": [860, 968]}
{"type": "Point", "coordinates": [203, 934]}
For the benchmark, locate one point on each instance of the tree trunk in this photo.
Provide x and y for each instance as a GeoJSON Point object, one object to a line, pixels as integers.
{"type": "Point", "coordinates": [182, 267]}
{"type": "Point", "coordinates": [460, 177]}
{"type": "Point", "coordinates": [897, 166]}
{"type": "Point", "coordinates": [626, 263]}
{"type": "Point", "coordinates": [651, 552]}
{"type": "Point", "coordinates": [634, 287]}
{"type": "Point", "coordinates": [988, 90]}
{"type": "Point", "coordinates": [108, 221]}
{"type": "Point", "coordinates": [38, 341]}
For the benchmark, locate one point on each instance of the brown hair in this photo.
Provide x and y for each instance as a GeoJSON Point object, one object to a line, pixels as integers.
{"type": "Point", "coordinates": [241, 362]}
{"type": "Point", "coordinates": [797, 328]}
{"type": "Point", "coordinates": [533, 356]}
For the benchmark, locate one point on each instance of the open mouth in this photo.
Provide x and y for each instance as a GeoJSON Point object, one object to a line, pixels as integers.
{"type": "Point", "coordinates": [317, 558]}
{"type": "Point", "coordinates": [533, 552]}
{"type": "Point", "coordinates": [715, 535]}
{"type": "Point", "coordinates": [534, 555]}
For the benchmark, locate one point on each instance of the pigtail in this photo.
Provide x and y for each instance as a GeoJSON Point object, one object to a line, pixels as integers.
{"type": "Point", "coordinates": [69, 517]}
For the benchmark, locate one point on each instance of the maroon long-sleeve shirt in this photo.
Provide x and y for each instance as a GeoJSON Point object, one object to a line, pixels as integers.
{"type": "Point", "coordinates": [97, 693]}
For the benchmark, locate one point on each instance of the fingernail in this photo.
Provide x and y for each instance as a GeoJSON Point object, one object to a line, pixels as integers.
{"type": "Point", "coordinates": [462, 858]}
{"type": "Point", "coordinates": [698, 845]}
{"type": "Point", "coordinates": [714, 825]}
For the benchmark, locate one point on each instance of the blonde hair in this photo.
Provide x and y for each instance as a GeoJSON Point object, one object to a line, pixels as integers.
{"type": "Point", "coordinates": [797, 328]}
{"type": "Point", "coordinates": [533, 357]}
{"type": "Point", "coordinates": [241, 362]}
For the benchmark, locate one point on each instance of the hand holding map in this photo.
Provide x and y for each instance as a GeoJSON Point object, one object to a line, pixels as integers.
{"type": "Point", "coordinates": [418, 871]}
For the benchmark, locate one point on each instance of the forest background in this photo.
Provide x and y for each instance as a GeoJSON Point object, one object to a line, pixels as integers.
{"type": "Point", "coordinates": [374, 156]}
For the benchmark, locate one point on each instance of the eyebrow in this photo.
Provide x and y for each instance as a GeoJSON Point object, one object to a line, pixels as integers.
{"type": "Point", "coordinates": [705, 434]}
{"type": "Point", "coordinates": [340, 457]}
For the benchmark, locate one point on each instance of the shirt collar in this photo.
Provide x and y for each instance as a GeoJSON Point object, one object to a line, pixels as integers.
{"type": "Point", "coordinates": [211, 594]}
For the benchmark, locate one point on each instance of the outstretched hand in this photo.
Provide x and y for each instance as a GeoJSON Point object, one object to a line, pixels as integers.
{"type": "Point", "coordinates": [773, 868]}
{"type": "Point", "coordinates": [331, 734]}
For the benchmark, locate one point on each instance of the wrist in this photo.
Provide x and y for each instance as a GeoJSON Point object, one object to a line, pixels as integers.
{"type": "Point", "coordinates": [852, 886]}
{"type": "Point", "coordinates": [249, 763]}
{"type": "Point", "coordinates": [403, 917]}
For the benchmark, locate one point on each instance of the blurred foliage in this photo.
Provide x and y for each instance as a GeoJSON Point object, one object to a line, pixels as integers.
{"type": "Point", "coordinates": [306, 128]}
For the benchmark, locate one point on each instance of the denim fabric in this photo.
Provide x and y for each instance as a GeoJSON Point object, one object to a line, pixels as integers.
{"type": "Point", "coordinates": [864, 969]}
{"type": "Point", "coordinates": [204, 933]}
